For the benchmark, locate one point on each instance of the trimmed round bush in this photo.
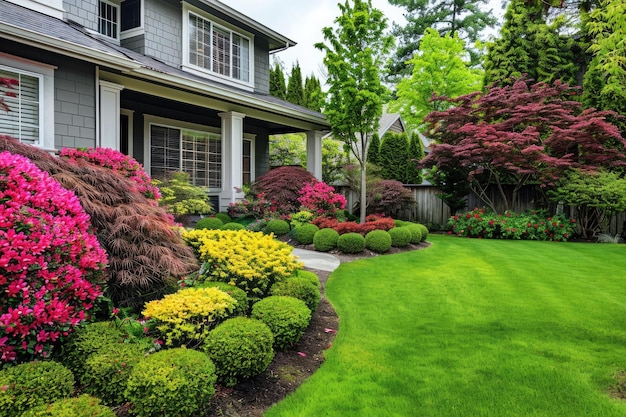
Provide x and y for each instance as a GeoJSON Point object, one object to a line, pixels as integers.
{"type": "Point", "coordinates": [240, 348]}
{"type": "Point", "coordinates": [174, 382]}
{"type": "Point", "coordinates": [232, 226]}
{"type": "Point", "coordinates": [304, 234]}
{"type": "Point", "coordinates": [400, 237]}
{"type": "Point", "coordinates": [107, 371]}
{"type": "Point", "coordinates": [278, 227]}
{"type": "Point", "coordinates": [300, 288]}
{"type": "Point", "coordinates": [242, 306]}
{"type": "Point", "coordinates": [211, 223]}
{"type": "Point", "coordinates": [224, 217]}
{"type": "Point", "coordinates": [287, 317]}
{"type": "Point", "coordinates": [416, 232]}
{"type": "Point", "coordinates": [87, 340]}
{"type": "Point", "coordinates": [424, 230]}
{"type": "Point", "coordinates": [82, 406]}
{"type": "Point", "coordinates": [311, 276]}
{"type": "Point", "coordinates": [325, 239]}
{"type": "Point", "coordinates": [351, 243]}
{"type": "Point", "coordinates": [378, 241]}
{"type": "Point", "coordinates": [32, 384]}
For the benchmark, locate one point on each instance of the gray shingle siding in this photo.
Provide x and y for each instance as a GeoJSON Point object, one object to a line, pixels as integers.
{"type": "Point", "coordinates": [261, 70]}
{"type": "Point", "coordinates": [136, 43]}
{"type": "Point", "coordinates": [83, 12]}
{"type": "Point", "coordinates": [163, 31]}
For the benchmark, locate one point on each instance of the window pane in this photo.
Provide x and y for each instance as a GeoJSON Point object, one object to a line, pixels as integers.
{"type": "Point", "coordinates": [22, 121]}
{"type": "Point", "coordinates": [131, 14]}
{"type": "Point", "coordinates": [241, 58]}
{"type": "Point", "coordinates": [247, 162]}
{"type": "Point", "coordinates": [221, 51]}
{"type": "Point", "coordinates": [202, 158]}
{"type": "Point", "coordinates": [164, 151]}
{"type": "Point", "coordinates": [107, 20]}
{"type": "Point", "coordinates": [199, 42]}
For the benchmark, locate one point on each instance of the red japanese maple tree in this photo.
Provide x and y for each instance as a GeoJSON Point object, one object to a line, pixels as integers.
{"type": "Point", "coordinates": [520, 134]}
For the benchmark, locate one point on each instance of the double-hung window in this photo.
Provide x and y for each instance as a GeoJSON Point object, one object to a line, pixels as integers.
{"type": "Point", "coordinates": [217, 49]}
{"type": "Point", "coordinates": [24, 118]}
{"type": "Point", "coordinates": [108, 19]}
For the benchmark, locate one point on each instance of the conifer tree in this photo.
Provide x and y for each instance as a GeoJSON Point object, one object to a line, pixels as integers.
{"type": "Point", "coordinates": [393, 156]}
{"type": "Point", "coordinates": [416, 154]}
{"type": "Point", "coordinates": [277, 82]}
{"type": "Point", "coordinates": [313, 95]}
{"type": "Point", "coordinates": [374, 150]}
{"type": "Point", "coordinates": [295, 92]}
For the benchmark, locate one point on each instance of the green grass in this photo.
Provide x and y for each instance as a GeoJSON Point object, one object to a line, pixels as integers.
{"type": "Point", "coordinates": [474, 328]}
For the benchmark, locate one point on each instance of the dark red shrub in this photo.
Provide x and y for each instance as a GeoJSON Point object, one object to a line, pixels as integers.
{"type": "Point", "coordinates": [388, 196]}
{"type": "Point", "coordinates": [282, 186]}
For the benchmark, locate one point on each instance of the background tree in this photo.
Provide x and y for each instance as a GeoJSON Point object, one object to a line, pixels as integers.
{"type": "Point", "coordinates": [288, 149]}
{"type": "Point", "coordinates": [522, 134]}
{"type": "Point", "coordinates": [438, 69]}
{"type": "Point", "coordinates": [355, 52]}
{"type": "Point", "coordinates": [467, 17]}
{"type": "Point", "coordinates": [277, 81]}
{"type": "Point", "coordinates": [529, 46]}
{"type": "Point", "coordinates": [393, 156]}
{"type": "Point", "coordinates": [416, 154]}
{"type": "Point", "coordinates": [452, 182]}
{"type": "Point", "coordinates": [374, 150]}
{"type": "Point", "coordinates": [313, 94]}
{"type": "Point", "coordinates": [333, 160]}
{"type": "Point", "coordinates": [295, 92]}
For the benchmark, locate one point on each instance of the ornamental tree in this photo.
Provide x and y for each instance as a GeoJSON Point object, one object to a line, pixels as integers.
{"type": "Point", "coordinates": [521, 134]}
{"type": "Point", "coordinates": [51, 264]}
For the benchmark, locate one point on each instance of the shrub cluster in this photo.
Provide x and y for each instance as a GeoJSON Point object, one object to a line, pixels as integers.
{"type": "Point", "coordinates": [388, 196]}
{"type": "Point", "coordinates": [81, 406]}
{"type": "Point", "coordinates": [232, 226]}
{"type": "Point", "coordinates": [400, 237]}
{"type": "Point", "coordinates": [320, 199]}
{"type": "Point", "coordinates": [180, 197]}
{"type": "Point", "coordinates": [372, 222]}
{"type": "Point", "coordinates": [378, 241]}
{"type": "Point", "coordinates": [287, 317]}
{"type": "Point", "coordinates": [300, 218]}
{"type": "Point", "coordinates": [284, 185]}
{"type": "Point", "coordinates": [210, 223]}
{"type": "Point", "coordinates": [533, 225]}
{"type": "Point", "coordinates": [251, 261]}
{"type": "Point", "coordinates": [187, 316]}
{"type": "Point", "coordinates": [351, 243]}
{"type": "Point", "coordinates": [309, 275]}
{"type": "Point", "coordinates": [241, 308]}
{"type": "Point", "coordinates": [256, 206]}
{"type": "Point", "coordinates": [300, 288]}
{"type": "Point", "coordinates": [51, 264]}
{"type": "Point", "coordinates": [277, 227]}
{"type": "Point", "coordinates": [325, 239]}
{"type": "Point", "coordinates": [306, 233]}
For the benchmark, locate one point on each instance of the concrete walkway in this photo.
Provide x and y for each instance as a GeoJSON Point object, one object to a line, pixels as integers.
{"type": "Point", "coordinates": [317, 260]}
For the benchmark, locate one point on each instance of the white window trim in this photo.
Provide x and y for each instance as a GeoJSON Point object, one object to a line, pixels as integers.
{"type": "Point", "coordinates": [45, 73]}
{"type": "Point", "coordinates": [139, 30]}
{"type": "Point", "coordinates": [118, 24]}
{"type": "Point", "coordinates": [202, 72]}
{"type": "Point", "coordinates": [252, 140]}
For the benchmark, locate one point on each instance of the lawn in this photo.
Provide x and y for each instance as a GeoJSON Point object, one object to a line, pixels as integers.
{"type": "Point", "coordinates": [474, 328]}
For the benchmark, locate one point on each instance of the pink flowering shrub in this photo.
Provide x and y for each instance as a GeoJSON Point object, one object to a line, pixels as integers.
{"type": "Point", "coordinates": [51, 266]}
{"type": "Point", "coordinates": [118, 162]}
{"type": "Point", "coordinates": [320, 199]}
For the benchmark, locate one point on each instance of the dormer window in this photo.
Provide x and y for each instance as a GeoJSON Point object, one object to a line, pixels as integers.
{"type": "Point", "coordinates": [108, 19]}
{"type": "Point", "coordinates": [217, 49]}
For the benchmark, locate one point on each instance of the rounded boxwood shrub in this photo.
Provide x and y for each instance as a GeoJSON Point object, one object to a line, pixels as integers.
{"type": "Point", "coordinates": [89, 339]}
{"type": "Point", "coordinates": [378, 241]}
{"type": "Point", "coordinates": [300, 288]}
{"type": "Point", "coordinates": [304, 234]}
{"type": "Point", "coordinates": [416, 232]}
{"type": "Point", "coordinates": [224, 217]}
{"type": "Point", "coordinates": [400, 237]}
{"type": "Point", "coordinates": [287, 317]}
{"type": "Point", "coordinates": [424, 230]}
{"type": "Point", "coordinates": [242, 306]}
{"type": "Point", "coordinates": [311, 276]}
{"type": "Point", "coordinates": [211, 223]}
{"type": "Point", "coordinates": [278, 227]}
{"type": "Point", "coordinates": [82, 406]}
{"type": "Point", "coordinates": [32, 384]}
{"type": "Point", "coordinates": [107, 371]}
{"type": "Point", "coordinates": [232, 226]}
{"type": "Point", "coordinates": [174, 382]}
{"type": "Point", "coordinates": [351, 243]}
{"type": "Point", "coordinates": [325, 239]}
{"type": "Point", "coordinates": [240, 348]}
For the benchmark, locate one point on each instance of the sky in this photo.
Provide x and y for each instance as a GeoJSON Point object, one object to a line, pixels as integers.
{"type": "Point", "coordinates": [302, 21]}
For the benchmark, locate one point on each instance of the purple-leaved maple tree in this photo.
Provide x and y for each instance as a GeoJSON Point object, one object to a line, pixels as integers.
{"type": "Point", "coordinates": [521, 134]}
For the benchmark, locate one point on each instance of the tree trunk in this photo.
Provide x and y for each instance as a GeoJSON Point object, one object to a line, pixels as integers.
{"type": "Point", "coordinates": [363, 190]}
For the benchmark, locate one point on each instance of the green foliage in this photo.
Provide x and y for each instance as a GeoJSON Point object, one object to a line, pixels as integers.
{"type": "Point", "coordinates": [295, 93]}
{"type": "Point", "coordinates": [313, 94]}
{"type": "Point", "coordinates": [378, 241]}
{"type": "Point", "coordinates": [187, 316]}
{"type": "Point", "coordinates": [180, 197]}
{"type": "Point", "coordinates": [81, 406]}
{"type": "Point", "coordinates": [305, 234]}
{"type": "Point", "coordinates": [416, 154]}
{"type": "Point", "coordinates": [241, 308]}
{"type": "Point", "coordinates": [393, 156]}
{"type": "Point", "coordinates": [210, 223]}
{"type": "Point", "coordinates": [86, 340]}
{"type": "Point", "coordinates": [452, 184]}
{"type": "Point", "coordinates": [278, 88]}
{"type": "Point", "coordinates": [351, 243]}
{"type": "Point", "coordinates": [241, 348]}
{"type": "Point", "coordinates": [311, 276]}
{"type": "Point", "coordinates": [388, 197]}
{"type": "Point", "coordinates": [224, 217]}
{"type": "Point", "coordinates": [334, 158]}
{"type": "Point", "coordinates": [416, 232]}
{"type": "Point", "coordinates": [354, 53]}
{"type": "Point", "coordinates": [175, 382]}
{"type": "Point", "coordinates": [108, 370]}
{"type": "Point", "coordinates": [288, 149]}
{"type": "Point", "coordinates": [300, 288]}
{"type": "Point", "coordinates": [424, 231]}
{"type": "Point", "coordinates": [232, 226]}
{"type": "Point", "coordinates": [439, 68]}
{"type": "Point", "coordinates": [400, 237]}
{"type": "Point", "coordinates": [374, 150]}
{"type": "Point", "coordinates": [325, 239]}
{"type": "Point", "coordinates": [287, 317]}
{"type": "Point", "coordinates": [32, 384]}
{"type": "Point", "coordinates": [300, 218]}
{"type": "Point", "coordinates": [278, 227]}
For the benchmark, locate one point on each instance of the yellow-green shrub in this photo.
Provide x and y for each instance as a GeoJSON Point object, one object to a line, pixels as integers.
{"type": "Point", "coordinates": [82, 406]}
{"type": "Point", "coordinates": [300, 288]}
{"type": "Point", "coordinates": [187, 316]}
{"type": "Point", "coordinates": [286, 316]}
{"type": "Point", "coordinates": [250, 260]}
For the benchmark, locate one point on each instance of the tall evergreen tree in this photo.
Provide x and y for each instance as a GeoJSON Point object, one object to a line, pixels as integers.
{"type": "Point", "coordinates": [529, 45]}
{"type": "Point", "coordinates": [295, 92]}
{"type": "Point", "coordinates": [313, 95]}
{"type": "Point", "coordinates": [393, 156]}
{"type": "Point", "coordinates": [374, 150]}
{"type": "Point", "coordinates": [277, 82]}
{"type": "Point", "coordinates": [466, 17]}
{"type": "Point", "coordinates": [416, 154]}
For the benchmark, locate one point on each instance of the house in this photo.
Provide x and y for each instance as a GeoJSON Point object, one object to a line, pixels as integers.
{"type": "Point", "coordinates": [178, 85]}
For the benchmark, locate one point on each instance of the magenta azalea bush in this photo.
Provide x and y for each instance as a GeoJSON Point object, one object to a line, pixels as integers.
{"type": "Point", "coordinates": [118, 162]}
{"type": "Point", "coordinates": [51, 266]}
{"type": "Point", "coordinates": [320, 199]}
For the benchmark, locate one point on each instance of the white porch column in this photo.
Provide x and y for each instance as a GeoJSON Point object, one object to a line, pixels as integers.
{"type": "Point", "coordinates": [232, 149]}
{"type": "Point", "coordinates": [109, 115]}
{"type": "Point", "coordinates": [314, 153]}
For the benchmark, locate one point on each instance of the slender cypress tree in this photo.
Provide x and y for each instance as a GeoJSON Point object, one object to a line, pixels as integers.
{"type": "Point", "coordinates": [277, 82]}
{"type": "Point", "coordinates": [295, 92]}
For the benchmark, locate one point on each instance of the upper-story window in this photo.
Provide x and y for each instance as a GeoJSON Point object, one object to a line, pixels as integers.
{"type": "Point", "coordinates": [108, 19]}
{"type": "Point", "coordinates": [217, 49]}
{"type": "Point", "coordinates": [131, 14]}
